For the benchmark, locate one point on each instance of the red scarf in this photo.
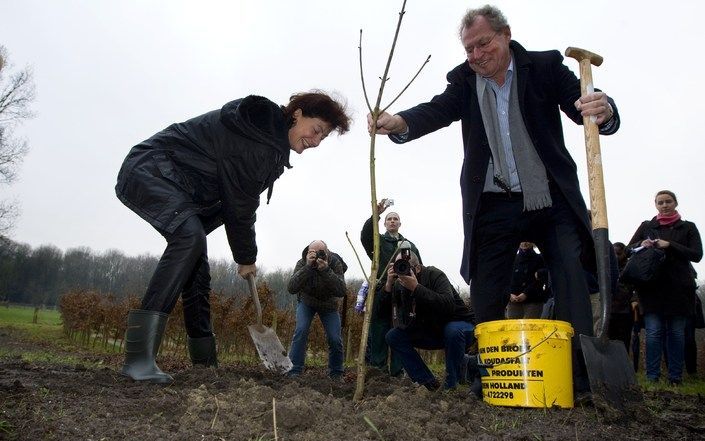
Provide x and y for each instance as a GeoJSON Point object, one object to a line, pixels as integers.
{"type": "Point", "coordinates": [671, 219]}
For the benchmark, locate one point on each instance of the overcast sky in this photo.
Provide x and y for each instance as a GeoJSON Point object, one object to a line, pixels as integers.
{"type": "Point", "coordinates": [110, 74]}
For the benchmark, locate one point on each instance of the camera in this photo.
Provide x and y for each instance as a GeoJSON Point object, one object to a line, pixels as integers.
{"type": "Point", "coordinates": [403, 266]}
{"type": "Point", "coordinates": [320, 254]}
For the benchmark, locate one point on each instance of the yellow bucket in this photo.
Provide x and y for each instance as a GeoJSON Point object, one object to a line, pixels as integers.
{"type": "Point", "coordinates": [528, 363]}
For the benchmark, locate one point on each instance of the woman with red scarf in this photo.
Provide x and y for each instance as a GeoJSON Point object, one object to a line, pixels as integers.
{"type": "Point", "coordinates": [669, 299]}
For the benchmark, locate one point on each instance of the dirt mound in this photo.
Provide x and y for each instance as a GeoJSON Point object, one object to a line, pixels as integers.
{"type": "Point", "coordinates": [54, 401]}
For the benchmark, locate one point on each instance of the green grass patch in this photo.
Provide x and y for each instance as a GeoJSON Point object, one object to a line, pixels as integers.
{"type": "Point", "coordinates": [690, 386]}
{"type": "Point", "coordinates": [23, 315]}
{"type": "Point", "coordinates": [48, 332]}
{"type": "Point", "coordinates": [47, 328]}
{"type": "Point", "coordinates": [47, 357]}
{"type": "Point", "coordinates": [6, 427]}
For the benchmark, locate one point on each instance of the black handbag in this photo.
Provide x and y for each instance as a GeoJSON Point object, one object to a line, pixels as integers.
{"type": "Point", "coordinates": [643, 266]}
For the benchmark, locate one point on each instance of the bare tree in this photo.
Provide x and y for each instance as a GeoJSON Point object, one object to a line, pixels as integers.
{"type": "Point", "coordinates": [16, 94]}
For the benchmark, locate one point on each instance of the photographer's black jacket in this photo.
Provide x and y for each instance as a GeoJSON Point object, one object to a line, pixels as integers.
{"type": "Point", "coordinates": [526, 264]}
{"type": "Point", "coordinates": [319, 289]}
{"type": "Point", "coordinates": [214, 165]}
{"type": "Point", "coordinates": [434, 303]}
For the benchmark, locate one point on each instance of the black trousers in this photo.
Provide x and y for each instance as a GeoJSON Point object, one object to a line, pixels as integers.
{"type": "Point", "coordinates": [183, 270]}
{"type": "Point", "coordinates": [502, 224]}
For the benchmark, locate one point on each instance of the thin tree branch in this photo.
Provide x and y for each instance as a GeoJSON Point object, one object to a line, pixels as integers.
{"type": "Point", "coordinates": [357, 256]}
{"type": "Point", "coordinates": [362, 78]}
{"type": "Point", "coordinates": [386, 70]}
{"type": "Point", "coordinates": [408, 84]}
{"type": "Point", "coordinates": [391, 259]}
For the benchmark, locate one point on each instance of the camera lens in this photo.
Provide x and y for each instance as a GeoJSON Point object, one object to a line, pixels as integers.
{"type": "Point", "coordinates": [402, 267]}
{"type": "Point", "coordinates": [320, 254]}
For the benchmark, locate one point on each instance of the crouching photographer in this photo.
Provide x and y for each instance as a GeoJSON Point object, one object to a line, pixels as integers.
{"type": "Point", "coordinates": [428, 314]}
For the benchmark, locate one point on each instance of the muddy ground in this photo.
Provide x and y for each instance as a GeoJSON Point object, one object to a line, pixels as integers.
{"type": "Point", "coordinates": [89, 400]}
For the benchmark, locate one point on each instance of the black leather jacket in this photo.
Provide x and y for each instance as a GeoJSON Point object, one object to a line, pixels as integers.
{"type": "Point", "coordinates": [214, 165]}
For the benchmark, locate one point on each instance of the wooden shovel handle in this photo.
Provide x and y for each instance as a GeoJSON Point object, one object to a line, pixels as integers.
{"type": "Point", "coordinates": [255, 297]}
{"type": "Point", "coordinates": [596, 182]}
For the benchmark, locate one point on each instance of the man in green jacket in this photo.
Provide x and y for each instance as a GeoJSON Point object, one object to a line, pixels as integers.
{"type": "Point", "coordinates": [381, 319]}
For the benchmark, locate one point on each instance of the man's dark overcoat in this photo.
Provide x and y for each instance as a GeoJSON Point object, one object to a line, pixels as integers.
{"type": "Point", "coordinates": [545, 85]}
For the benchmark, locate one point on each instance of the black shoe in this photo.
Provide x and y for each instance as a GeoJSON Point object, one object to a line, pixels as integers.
{"type": "Point", "coordinates": [203, 351]}
{"type": "Point", "coordinates": [432, 385]}
{"type": "Point", "coordinates": [476, 387]}
{"type": "Point", "coordinates": [142, 340]}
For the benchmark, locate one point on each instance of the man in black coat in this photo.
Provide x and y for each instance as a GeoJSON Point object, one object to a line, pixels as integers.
{"type": "Point", "coordinates": [428, 314]}
{"type": "Point", "coordinates": [518, 180]}
{"type": "Point", "coordinates": [195, 176]}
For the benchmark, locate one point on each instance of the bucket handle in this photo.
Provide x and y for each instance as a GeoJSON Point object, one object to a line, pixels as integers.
{"type": "Point", "coordinates": [481, 364]}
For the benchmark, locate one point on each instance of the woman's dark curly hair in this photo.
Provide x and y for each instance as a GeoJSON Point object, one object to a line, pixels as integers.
{"type": "Point", "coordinates": [317, 104]}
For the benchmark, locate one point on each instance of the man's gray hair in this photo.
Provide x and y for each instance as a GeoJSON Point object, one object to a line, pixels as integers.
{"type": "Point", "coordinates": [493, 15]}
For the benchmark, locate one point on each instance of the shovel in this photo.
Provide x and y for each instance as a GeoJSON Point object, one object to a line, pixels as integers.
{"type": "Point", "coordinates": [608, 366]}
{"type": "Point", "coordinates": [269, 348]}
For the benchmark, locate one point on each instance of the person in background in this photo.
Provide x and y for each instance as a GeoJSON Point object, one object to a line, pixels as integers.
{"type": "Point", "coordinates": [624, 303]}
{"type": "Point", "coordinates": [696, 321]}
{"type": "Point", "coordinates": [381, 319]}
{"type": "Point", "coordinates": [190, 179]}
{"type": "Point", "coordinates": [428, 314]}
{"type": "Point", "coordinates": [318, 282]}
{"type": "Point", "coordinates": [528, 290]}
{"type": "Point", "coordinates": [669, 299]}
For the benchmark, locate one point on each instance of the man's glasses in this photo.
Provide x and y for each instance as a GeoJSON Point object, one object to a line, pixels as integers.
{"type": "Point", "coordinates": [482, 45]}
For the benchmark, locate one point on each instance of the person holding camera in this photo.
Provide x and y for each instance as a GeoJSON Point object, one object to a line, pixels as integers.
{"type": "Point", "coordinates": [428, 314]}
{"type": "Point", "coordinates": [319, 283]}
{"type": "Point", "coordinates": [381, 319]}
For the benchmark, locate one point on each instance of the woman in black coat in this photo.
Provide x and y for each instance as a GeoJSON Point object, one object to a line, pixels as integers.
{"type": "Point", "coordinates": [195, 176]}
{"type": "Point", "coordinates": [669, 299]}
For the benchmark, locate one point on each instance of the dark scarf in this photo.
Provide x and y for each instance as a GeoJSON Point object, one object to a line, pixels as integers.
{"type": "Point", "coordinates": [532, 173]}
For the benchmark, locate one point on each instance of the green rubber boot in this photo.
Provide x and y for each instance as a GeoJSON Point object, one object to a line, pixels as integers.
{"type": "Point", "coordinates": [142, 339]}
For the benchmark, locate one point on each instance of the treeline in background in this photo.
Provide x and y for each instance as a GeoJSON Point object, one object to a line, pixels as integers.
{"type": "Point", "coordinates": [94, 292]}
{"type": "Point", "coordinates": [40, 276]}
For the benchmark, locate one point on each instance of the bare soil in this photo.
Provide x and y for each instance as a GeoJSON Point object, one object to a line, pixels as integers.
{"type": "Point", "coordinates": [91, 401]}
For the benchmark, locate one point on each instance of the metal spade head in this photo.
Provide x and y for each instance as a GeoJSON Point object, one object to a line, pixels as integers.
{"type": "Point", "coordinates": [270, 348]}
{"type": "Point", "coordinates": [609, 370]}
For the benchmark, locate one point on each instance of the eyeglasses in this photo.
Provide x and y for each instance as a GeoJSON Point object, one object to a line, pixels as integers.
{"type": "Point", "coordinates": [481, 45]}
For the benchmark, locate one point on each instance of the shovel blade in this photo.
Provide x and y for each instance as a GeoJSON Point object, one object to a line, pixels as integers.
{"type": "Point", "coordinates": [270, 349]}
{"type": "Point", "coordinates": [609, 370]}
